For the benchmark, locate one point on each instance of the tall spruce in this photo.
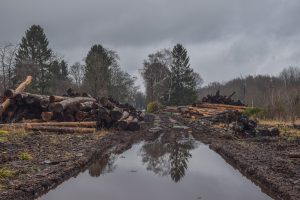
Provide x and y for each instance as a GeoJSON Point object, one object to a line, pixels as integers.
{"type": "Point", "coordinates": [97, 70]}
{"type": "Point", "coordinates": [33, 58]}
{"type": "Point", "coordinates": [183, 84]}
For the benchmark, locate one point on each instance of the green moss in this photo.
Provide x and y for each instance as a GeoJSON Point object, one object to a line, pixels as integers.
{"type": "Point", "coordinates": [153, 106]}
{"type": "Point", "coordinates": [254, 112]}
{"type": "Point", "coordinates": [3, 132]}
{"type": "Point", "coordinates": [3, 139]}
{"type": "Point", "coordinates": [6, 173]}
{"type": "Point", "coordinates": [25, 156]}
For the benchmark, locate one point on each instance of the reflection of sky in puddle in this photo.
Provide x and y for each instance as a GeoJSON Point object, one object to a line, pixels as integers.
{"type": "Point", "coordinates": [207, 176]}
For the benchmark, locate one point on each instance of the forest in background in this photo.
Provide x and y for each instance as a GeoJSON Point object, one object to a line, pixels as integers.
{"type": "Point", "coordinates": [99, 75]}
{"type": "Point", "coordinates": [168, 77]}
{"type": "Point", "coordinates": [277, 96]}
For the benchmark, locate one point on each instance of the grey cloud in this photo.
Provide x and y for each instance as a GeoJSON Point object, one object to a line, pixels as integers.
{"type": "Point", "coordinates": [225, 39]}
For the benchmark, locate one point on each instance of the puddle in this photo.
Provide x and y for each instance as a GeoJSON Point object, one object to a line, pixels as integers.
{"type": "Point", "coordinates": [162, 170]}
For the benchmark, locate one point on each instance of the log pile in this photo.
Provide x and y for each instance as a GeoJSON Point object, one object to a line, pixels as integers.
{"type": "Point", "coordinates": [248, 128]}
{"type": "Point", "coordinates": [220, 99]}
{"type": "Point", "coordinates": [72, 112]}
{"type": "Point", "coordinates": [207, 110]}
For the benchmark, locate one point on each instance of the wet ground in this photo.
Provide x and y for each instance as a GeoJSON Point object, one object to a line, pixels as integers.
{"type": "Point", "coordinates": [175, 170]}
{"type": "Point", "coordinates": [56, 158]}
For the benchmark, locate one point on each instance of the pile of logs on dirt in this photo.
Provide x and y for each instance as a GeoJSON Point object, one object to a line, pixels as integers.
{"type": "Point", "coordinates": [220, 99]}
{"type": "Point", "coordinates": [72, 112]}
{"type": "Point", "coordinates": [205, 110]}
{"type": "Point", "coordinates": [248, 128]}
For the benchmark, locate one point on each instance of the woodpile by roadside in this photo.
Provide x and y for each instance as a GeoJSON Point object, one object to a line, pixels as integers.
{"type": "Point", "coordinates": [72, 112]}
{"type": "Point", "coordinates": [230, 115]}
{"type": "Point", "coordinates": [220, 99]}
{"type": "Point", "coordinates": [206, 110]}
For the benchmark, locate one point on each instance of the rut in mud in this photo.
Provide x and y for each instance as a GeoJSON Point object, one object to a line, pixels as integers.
{"type": "Point", "coordinates": [172, 166]}
{"type": "Point", "coordinates": [56, 158]}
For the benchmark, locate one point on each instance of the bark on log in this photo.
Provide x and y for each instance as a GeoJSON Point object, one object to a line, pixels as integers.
{"type": "Point", "coordinates": [9, 93]}
{"type": "Point", "coordinates": [47, 116]}
{"type": "Point", "coordinates": [68, 117]}
{"type": "Point", "coordinates": [43, 100]}
{"type": "Point", "coordinates": [71, 102]}
{"type": "Point", "coordinates": [106, 103]}
{"type": "Point", "coordinates": [88, 106]}
{"type": "Point", "coordinates": [20, 96]}
{"type": "Point", "coordinates": [81, 115]}
{"type": "Point", "coordinates": [122, 124]}
{"type": "Point", "coordinates": [53, 98]}
{"type": "Point", "coordinates": [20, 88]}
{"type": "Point", "coordinates": [116, 113]}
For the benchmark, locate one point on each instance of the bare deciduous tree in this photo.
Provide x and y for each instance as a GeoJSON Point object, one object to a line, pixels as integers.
{"type": "Point", "coordinates": [7, 59]}
{"type": "Point", "coordinates": [77, 73]}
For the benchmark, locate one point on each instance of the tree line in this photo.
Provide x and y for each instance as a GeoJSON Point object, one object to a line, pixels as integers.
{"type": "Point", "coordinates": [100, 75]}
{"type": "Point", "coordinates": [169, 78]}
{"type": "Point", "coordinates": [277, 96]}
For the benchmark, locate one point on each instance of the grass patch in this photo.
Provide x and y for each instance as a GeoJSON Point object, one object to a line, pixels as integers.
{"type": "Point", "coordinates": [25, 156]}
{"type": "Point", "coordinates": [254, 112]}
{"type": "Point", "coordinates": [3, 132]}
{"type": "Point", "coordinates": [286, 128]}
{"type": "Point", "coordinates": [3, 135]}
{"type": "Point", "coordinates": [2, 187]}
{"type": "Point", "coordinates": [3, 139]}
{"type": "Point", "coordinates": [6, 173]}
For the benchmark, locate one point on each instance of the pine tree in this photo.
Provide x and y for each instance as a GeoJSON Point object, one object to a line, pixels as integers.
{"type": "Point", "coordinates": [64, 70]}
{"type": "Point", "coordinates": [183, 83]}
{"type": "Point", "coordinates": [33, 58]}
{"type": "Point", "coordinates": [97, 70]}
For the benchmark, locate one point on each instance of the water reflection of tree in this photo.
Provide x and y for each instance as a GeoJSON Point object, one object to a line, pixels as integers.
{"type": "Point", "coordinates": [102, 166]}
{"type": "Point", "coordinates": [170, 158]}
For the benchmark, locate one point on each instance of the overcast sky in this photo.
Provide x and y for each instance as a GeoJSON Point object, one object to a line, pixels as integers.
{"type": "Point", "coordinates": [224, 38]}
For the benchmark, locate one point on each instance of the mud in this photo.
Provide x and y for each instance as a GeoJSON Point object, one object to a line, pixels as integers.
{"type": "Point", "coordinates": [55, 158]}
{"type": "Point", "coordinates": [264, 160]}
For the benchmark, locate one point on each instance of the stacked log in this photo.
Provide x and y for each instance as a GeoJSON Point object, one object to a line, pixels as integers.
{"type": "Point", "coordinates": [71, 108]}
{"type": "Point", "coordinates": [220, 99]}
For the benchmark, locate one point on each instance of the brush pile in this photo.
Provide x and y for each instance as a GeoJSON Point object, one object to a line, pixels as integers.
{"type": "Point", "coordinates": [63, 113]}
{"type": "Point", "coordinates": [221, 99]}
{"type": "Point", "coordinates": [248, 128]}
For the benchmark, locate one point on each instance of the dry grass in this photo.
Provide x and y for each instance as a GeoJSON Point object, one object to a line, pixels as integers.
{"type": "Point", "coordinates": [25, 156]}
{"type": "Point", "coordinates": [285, 127]}
{"type": "Point", "coordinates": [6, 173]}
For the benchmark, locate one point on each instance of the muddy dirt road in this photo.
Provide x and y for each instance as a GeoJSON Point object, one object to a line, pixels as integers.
{"type": "Point", "coordinates": [55, 158]}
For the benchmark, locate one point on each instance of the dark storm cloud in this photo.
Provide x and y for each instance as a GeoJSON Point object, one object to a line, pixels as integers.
{"type": "Point", "coordinates": [225, 39]}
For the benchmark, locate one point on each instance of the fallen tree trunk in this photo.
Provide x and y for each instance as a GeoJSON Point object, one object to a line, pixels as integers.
{"type": "Point", "coordinates": [53, 98]}
{"type": "Point", "coordinates": [71, 102]}
{"type": "Point", "coordinates": [116, 113]}
{"type": "Point", "coordinates": [20, 88]}
{"type": "Point", "coordinates": [81, 115]}
{"type": "Point", "coordinates": [43, 100]}
{"type": "Point", "coordinates": [88, 106]}
{"type": "Point", "coordinates": [122, 124]}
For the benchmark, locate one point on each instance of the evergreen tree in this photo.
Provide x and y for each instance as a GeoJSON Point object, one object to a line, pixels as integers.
{"type": "Point", "coordinates": [64, 70]}
{"type": "Point", "coordinates": [183, 84]}
{"type": "Point", "coordinates": [60, 81]}
{"type": "Point", "coordinates": [98, 70]}
{"type": "Point", "coordinates": [33, 58]}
